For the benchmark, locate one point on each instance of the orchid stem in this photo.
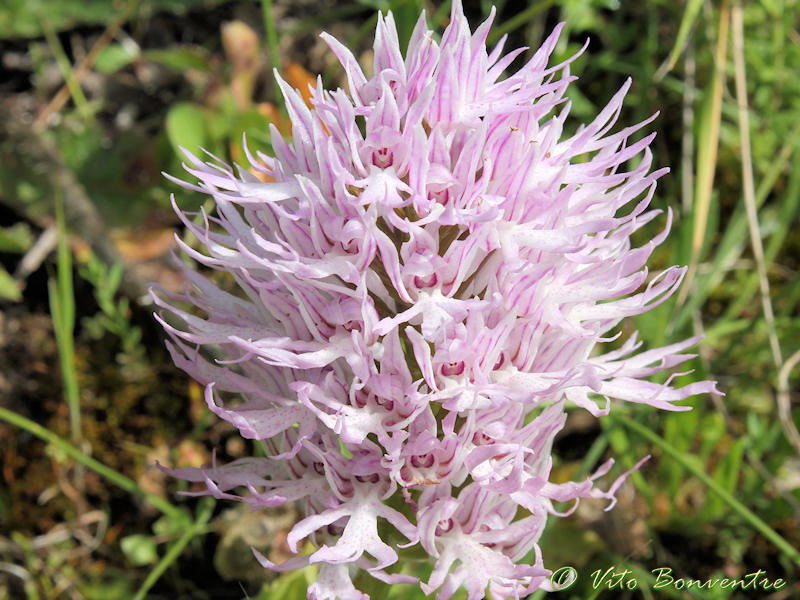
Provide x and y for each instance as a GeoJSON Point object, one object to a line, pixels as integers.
{"type": "Point", "coordinates": [174, 551]}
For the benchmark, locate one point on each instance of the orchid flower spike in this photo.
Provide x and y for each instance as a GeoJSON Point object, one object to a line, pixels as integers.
{"type": "Point", "coordinates": [418, 282]}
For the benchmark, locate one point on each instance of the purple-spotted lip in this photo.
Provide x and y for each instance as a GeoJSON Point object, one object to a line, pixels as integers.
{"type": "Point", "coordinates": [427, 281]}
{"type": "Point", "coordinates": [423, 461]}
{"type": "Point", "coordinates": [383, 158]}
{"type": "Point", "coordinates": [452, 369]}
{"type": "Point", "coordinates": [444, 526]}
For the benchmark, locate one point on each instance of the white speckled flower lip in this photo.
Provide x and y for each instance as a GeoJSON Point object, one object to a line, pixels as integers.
{"type": "Point", "coordinates": [422, 284]}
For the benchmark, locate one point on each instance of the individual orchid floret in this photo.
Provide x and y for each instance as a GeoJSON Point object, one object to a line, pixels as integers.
{"type": "Point", "coordinates": [410, 293]}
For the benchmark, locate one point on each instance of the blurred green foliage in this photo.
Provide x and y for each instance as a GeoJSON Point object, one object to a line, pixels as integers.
{"type": "Point", "coordinates": [23, 18]}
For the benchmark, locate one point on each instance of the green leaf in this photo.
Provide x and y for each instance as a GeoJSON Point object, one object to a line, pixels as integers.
{"type": "Point", "coordinates": [690, 14]}
{"type": "Point", "coordinates": [110, 585]}
{"type": "Point", "coordinates": [9, 288]}
{"type": "Point", "coordinates": [292, 586]}
{"type": "Point", "coordinates": [112, 58]}
{"type": "Point", "coordinates": [582, 107]}
{"type": "Point", "coordinates": [181, 58]}
{"type": "Point", "coordinates": [139, 549]}
{"type": "Point", "coordinates": [250, 122]}
{"type": "Point", "coordinates": [773, 7]}
{"type": "Point", "coordinates": [186, 127]}
{"type": "Point", "coordinates": [114, 279]}
{"type": "Point", "coordinates": [712, 430]}
{"type": "Point", "coordinates": [17, 238]}
{"type": "Point", "coordinates": [679, 432]}
{"type": "Point", "coordinates": [170, 525]}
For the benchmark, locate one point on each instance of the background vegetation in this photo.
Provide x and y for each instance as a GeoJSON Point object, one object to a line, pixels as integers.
{"type": "Point", "coordinates": [95, 96]}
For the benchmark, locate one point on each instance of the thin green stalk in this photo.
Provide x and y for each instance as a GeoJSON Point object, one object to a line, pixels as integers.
{"type": "Point", "coordinates": [272, 46]}
{"type": "Point", "coordinates": [65, 67]}
{"type": "Point", "coordinates": [707, 148]}
{"type": "Point", "coordinates": [127, 484]}
{"type": "Point", "coordinates": [747, 181]}
{"type": "Point", "coordinates": [731, 246]}
{"type": "Point", "coordinates": [785, 401]}
{"type": "Point", "coordinates": [198, 527]}
{"type": "Point", "coordinates": [791, 197]}
{"type": "Point", "coordinates": [688, 20]}
{"type": "Point", "coordinates": [685, 461]}
{"type": "Point", "coordinates": [687, 137]}
{"type": "Point", "coordinates": [62, 310]}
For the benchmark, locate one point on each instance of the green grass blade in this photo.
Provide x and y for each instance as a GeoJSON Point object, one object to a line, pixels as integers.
{"type": "Point", "coordinates": [690, 14]}
{"type": "Point", "coordinates": [726, 475]}
{"type": "Point", "coordinates": [748, 185]}
{"type": "Point", "coordinates": [707, 147]}
{"type": "Point", "coordinates": [627, 455]}
{"type": "Point", "coordinates": [594, 454]}
{"type": "Point", "coordinates": [118, 479]}
{"type": "Point", "coordinates": [732, 245]}
{"type": "Point", "coordinates": [690, 465]}
{"type": "Point", "coordinates": [62, 310]}
{"type": "Point", "coordinates": [274, 52]}
{"type": "Point", "coordinates": [787, 212]}
{"type": "Point", "coordinates": [405, 16]}
{"type": "Point", "coordinates": [65, 66]}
